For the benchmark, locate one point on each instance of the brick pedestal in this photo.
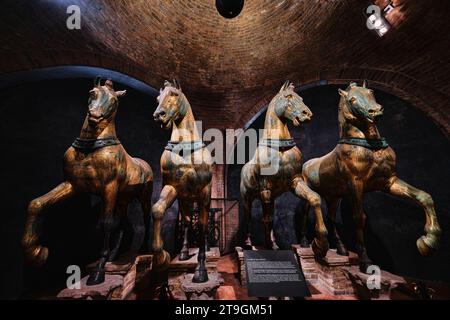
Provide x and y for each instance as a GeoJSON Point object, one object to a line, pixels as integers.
{"type": "Point", "coordinates": [331, 277]}
{"type": "Point", "coordinates": [241, 266]}
{"type": "Point", "coordinates": [307, 262]}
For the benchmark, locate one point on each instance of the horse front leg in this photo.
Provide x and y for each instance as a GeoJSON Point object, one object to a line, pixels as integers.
{"type": "Point", "coordinates": [247, 202]}
{"type": "Point", "coordinates": [428, 243]}
{"type": "Point", "coordinates": [304, 213]}
{"type": "Point", "coordinates": [359, 216]}
{"type": "Point", "coordinates": [166, 199]}
{"type": "Point", "coordinates": [201, 274]}
{"type": "Point", "coordinates": [320, 244]}
{"type": "Point", "coordinates": [34, 252]}
{"type": "Point", "coordinates": [110, 223]}
{"type": "Point", "coordinates": [332, 206]}
{"type": "Point", "coordinates": [268, 209]}
{"type": "Point", "coordinates": [186, 220]}
{"type": "Point", "coordinates": [145, 198]}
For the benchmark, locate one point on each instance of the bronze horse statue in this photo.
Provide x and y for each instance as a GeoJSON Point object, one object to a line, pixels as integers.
{"type": "Point", "coordinates": [96, 163]}
{"type": "Point", "coordinates": [363, 162]}
{"type": "Point", "coordinates": [186, 173]}
{"type": "Point", "coordinates": [277, 151]}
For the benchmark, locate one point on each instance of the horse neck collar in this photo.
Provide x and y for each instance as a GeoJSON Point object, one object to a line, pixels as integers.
{"type": "Point", "coordinates": [185, 146]}
{"type": "Point", "coordinates": [373, 144]}
{"type": "Point", "coordinates": [278, 143]}
{"type": "Point", "coordinates": [89, 145]}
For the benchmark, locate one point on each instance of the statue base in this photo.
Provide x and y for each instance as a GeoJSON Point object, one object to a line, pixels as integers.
{"type": "Point", "coordinates": [178, 269]}
{"type": "Point", "coordinates": [242, 273]}
{"type": "Point", "coordinates": [201, 291]}
{"type": "Point", "coordinates": [121, 278]}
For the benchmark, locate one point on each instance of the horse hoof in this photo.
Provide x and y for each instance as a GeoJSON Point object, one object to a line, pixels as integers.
{"type": "Point", "coordinates": [275, 247]}
{"type": "Point", "coordinates": [200, 276]}
{"type": "Point", "coordinates": [320, 248]}
{"type": "Point", "coordinates": [341, 249]}
{"type": "Point", "coordinates": [161, 260]}
{"type": "Point", "coordinates": [425, 249]}
{"type": "Point", "coordinates": [304, 243]}
{"type": "Point", "coordinates": [95, 278]}
{"type": "Point", "coordinates": [37, 255]}
{"type": "Point", "coordinates": [364, 265]}
{"type": "Point", "coordinates": [184, 255]}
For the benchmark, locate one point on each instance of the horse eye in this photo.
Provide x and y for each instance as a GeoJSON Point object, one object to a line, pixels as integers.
{"type": "Point", "coordinates": [353, 100]}
{"type": "Point", "coordinates": [289, 96]}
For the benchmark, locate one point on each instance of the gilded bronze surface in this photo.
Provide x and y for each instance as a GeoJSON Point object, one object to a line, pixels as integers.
{"type": "Point", "coordinates": [360, 163]}
{"type": "Point", "coordinates": [276, 148]}
{"type": "Point", "coordinates": [105, 169]}
{"type": "Point", "coordinates": [186, 173]}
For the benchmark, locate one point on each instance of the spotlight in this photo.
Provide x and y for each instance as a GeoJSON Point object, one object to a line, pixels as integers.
{"type": "Point", "coordinates": [229, 8]}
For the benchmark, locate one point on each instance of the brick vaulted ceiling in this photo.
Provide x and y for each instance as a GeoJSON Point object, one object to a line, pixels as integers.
{"type": "Point", "coordinates": [230, 69]}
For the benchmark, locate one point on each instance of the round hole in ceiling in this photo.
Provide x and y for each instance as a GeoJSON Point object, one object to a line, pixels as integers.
{"type": "Point", "coordinates": [229, 8]}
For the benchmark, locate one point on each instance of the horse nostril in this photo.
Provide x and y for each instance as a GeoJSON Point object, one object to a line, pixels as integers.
{"type": "Point", "coordinates": [305, 113]}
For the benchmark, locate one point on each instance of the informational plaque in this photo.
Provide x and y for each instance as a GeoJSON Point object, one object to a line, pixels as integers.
{"type": "Point", "coordinates": [274, 273]}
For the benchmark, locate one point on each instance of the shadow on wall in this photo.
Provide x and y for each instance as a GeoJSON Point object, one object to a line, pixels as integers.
{"type": "Point", "coordinates": [39, 122]}
{"type": "Point", "coordinates": [393, 224]}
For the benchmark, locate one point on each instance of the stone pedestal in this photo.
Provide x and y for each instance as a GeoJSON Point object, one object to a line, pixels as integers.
{"type": "Point", "coordinates": [201, 291]}
{"type": "Point", "coordinates": [179, 269]}
{"type": "Point", "coordinates": [388, 283]}
{"type": "Point", "coordinates": [121, 278]}
{"type": "Point", "coordinates": [241, 266]}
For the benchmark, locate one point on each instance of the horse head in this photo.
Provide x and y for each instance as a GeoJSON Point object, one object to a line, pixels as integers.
{"type": "Point", "coordinates": [172, 105]}
{"type": "Point", "coordinates": [358, 104]}
{"type": "Point", "coordinates": [289, 105]}
{"type": "Point", "coordinates": [103, 102]}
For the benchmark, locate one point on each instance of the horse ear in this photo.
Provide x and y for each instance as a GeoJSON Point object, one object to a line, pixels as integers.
{"type": "Point", "coordinates": [285, 85]}
{"type": "Point", "coordinates": [176, 84]}
{"type": "Point", "coordinates": [97, 81]}
{"type": "Point", "coordinates": [343, 93]}
{"type": "Point", "coordinates": [365, 84]}
{"type": "Point", "coordinates": [121, 93]}
{"type": "Point", "coordinates": [109, 84]}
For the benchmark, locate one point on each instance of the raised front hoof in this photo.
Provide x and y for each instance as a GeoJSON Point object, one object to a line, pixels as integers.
{"type": "Point", "coordinates": [320, 248]}
{"type": "Point", "coordinates": [304, 243]}
{"type": "Point", "coordinates": [425, 246]}
{"type": "Point", "coordinates": [184, 255]}
{"type": "Point", "coordinates": [200, 276]}
{"type": "Point", "coordinates": [161, 260]}
{"type": "Point", "coordinates": [341, 249]}
{"type": "Point", "coordinates": [36, 255]}
{"type": "Point", "coordinates": [272, 246]}
{"type": "Point", "coordinates": [95, 278]}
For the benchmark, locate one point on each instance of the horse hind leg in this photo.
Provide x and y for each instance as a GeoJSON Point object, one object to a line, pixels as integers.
{"type": "Point", "coordinates": [34, 252]}
{"type": "Point", "coordinates": [332, 205]}
{"type": "Point", "coordinates": [428, 243]}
